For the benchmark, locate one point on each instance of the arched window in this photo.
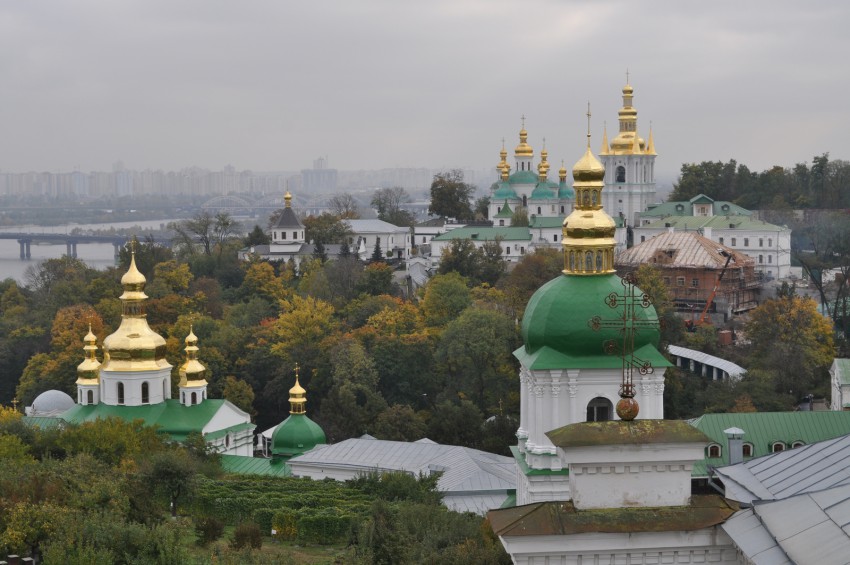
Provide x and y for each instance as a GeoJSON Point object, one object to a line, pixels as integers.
{"type": "Point", "coordinates": [562, 209]}
{"type": "Point", "coordinates": [227, 440]}
{"type": "Point", "coordinates": [748, 450]}
{"type": "Point", "coordinates": [588, 262]}
{"type": "Point", "coordinates": [714, 450]}
{"type": "Point", "coordinates": [621, 174]}
{"type": "Point", "coordinates": [120, 393]}
{"type": "Point", "coordinates": [797, 444]}
{"type": "Point", "coordinates": [165, 392]}
{"type": "Point", "coordinates": [146, 395]}
{"type": "Point", "coordinates": [599, 409]}
{"type": "Point", "coordinates": [538, 210]}
{"type": "Point", "coordinates": [79, 397]}
{"type": "Point", "coordinates": [598, 261]}
{"type": "Point", "coordinates": [777, 446]}
{"type": "Point", "coordinates": [183, 397]}
{"type": "Point", "coordinates": [194, 398]}
{"type": "Point", "coordinates": [524, 201]}
{"type": "Point", "coordinates": [90, 397]}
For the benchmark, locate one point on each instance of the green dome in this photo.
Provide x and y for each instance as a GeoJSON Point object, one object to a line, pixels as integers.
{"type": "Point", "coordinates": [296, 435]}
{"type": "Point", "coordinates": [543, 191]}
{"type": "Point", "coordinates": [557, 334]}
{"type": "Point", "coordinates": [566, 191]}
{"type": "Point", "coordinates": [505, 190]}
{"type": "Point", "coordinates": [523, 177]}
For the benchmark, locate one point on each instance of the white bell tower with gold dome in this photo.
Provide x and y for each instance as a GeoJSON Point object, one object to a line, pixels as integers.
{"type": "Point", "coordinates": [629, 166]}
{"type": "Point", "coordinates": [135, 371]}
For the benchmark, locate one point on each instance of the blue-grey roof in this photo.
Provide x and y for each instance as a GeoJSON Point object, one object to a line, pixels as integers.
{"type": "Point", "coordinates": [373, 226]}
{"type": "Point", "coordinates": [734, 371]}
{"type": "Point", "coordinates": [472, 480]}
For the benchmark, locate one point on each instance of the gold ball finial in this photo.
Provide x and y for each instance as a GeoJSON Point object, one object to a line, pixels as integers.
{"type": "Point", "coordinates": [288, 199]}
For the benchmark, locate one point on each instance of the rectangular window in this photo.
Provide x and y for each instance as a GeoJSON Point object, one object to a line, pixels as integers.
{"type": "Point", "coordinates": [721, 241]}
{"type": "Point", "coordinates": [746, 242]}
{"type": "Point", "coordinates": [680, 281]}
{"type": "Point", "coordinates": [283, 235]}
{"type": "Point", "coordinates": [522, 250]}
{"type": "Point", "coordinates": [667, 281]}
{"type": "Point", "coordinates": [761, 259]}
{"type": "Point", "coordinates": [769, 242]}
{"type": "Point", "coordinates": [761, 242]}
{"type": "Point", "coordinates": [642, 238]}
{"type": "Point", "coordinates": [423, 239]}
{"type": "Point", "coordinates": [770, 258]}
{"type": "Point", "coordinates": [734, 242]}
{"type": "Point", "coordinates": [508, 250]}
{"type": "Point", "coordinates": [555, 238]}
{"type": "Point", "coordinates": [695, 283]}
{"type": "Point", "coordinates": [295, 235]}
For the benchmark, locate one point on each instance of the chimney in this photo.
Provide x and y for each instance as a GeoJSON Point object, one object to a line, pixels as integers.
{"type": "Point", "coordinates": [735, 437]}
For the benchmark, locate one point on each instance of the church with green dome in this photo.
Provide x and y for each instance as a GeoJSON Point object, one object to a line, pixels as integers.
{"type": "Point", "coordinates": [297, 434]}
{"type": "Point", "coordinates": [577, 332]}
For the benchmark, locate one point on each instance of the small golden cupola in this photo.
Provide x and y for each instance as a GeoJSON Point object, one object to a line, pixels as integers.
{"type": "Point", "coordinates": [88, 372]}
{"type": "Point", "coordinates": [544, 159]}
{"type": "Point", "coordinates": [298, 433]}
{"type": "Point", "coordinates": [193, 374]}
{"type": "Point", "coordinates": [588, 231]}
{"type": "Point", "coordinates": [523, 149]}
{"type": "Point", "coordinates": [503, 161]}
{"type": "Point", "coordinates": [627, 141]}
{"type": "Point", "coordinates": [288, 199]}
{"type": "Point", "coordinates": [297, 396]}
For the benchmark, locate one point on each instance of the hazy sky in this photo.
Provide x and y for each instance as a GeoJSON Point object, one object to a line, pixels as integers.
{"type": "Point", "coordinates": [273, 84]}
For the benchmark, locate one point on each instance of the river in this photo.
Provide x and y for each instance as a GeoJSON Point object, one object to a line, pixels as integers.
{"type": "Point", "coordinates": [96, 255]}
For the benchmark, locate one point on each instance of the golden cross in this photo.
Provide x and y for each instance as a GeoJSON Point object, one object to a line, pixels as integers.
{"type": "Point", "coordinates": [296, 370]}
{"type": "Point", "coordinates": [588, 123]}
{"type": "Point", "coordinates": [627, 75]}
{"type": "Point", "coordinates": [15, 403]}
{"type": "Point", "coordinates": [523, 121]}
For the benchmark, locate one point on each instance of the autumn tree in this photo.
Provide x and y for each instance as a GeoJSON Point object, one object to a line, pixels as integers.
{"type": "Point", "coordinates": [478, 265]}
{"type": "Point", "coordinates": [240, 394]}
{"type": "Point", "coordinates": [530, 273]}
{"type": "Point", "coordinates": [445, 297]}
{"type": "Point", "coordinates": [451, 196]}
{"type": "Point", "coordinates": [792, 342]}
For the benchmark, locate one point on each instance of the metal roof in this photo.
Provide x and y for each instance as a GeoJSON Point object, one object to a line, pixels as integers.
{"type": "Point", "coordinates": [374, 226]}
{"type": "Point", "coordinates": [254, 466]}
{"type": "Point", "coordinates": [762, 429]}
{"type": "Point", "coordinates": [813, 527]}
{"type": "Point", "coordinates": [685, 250]}
{"type": "Point", "coordinates": [714, 222]}
{"type": "Point", "coordinates": [734, 371]}
{"type": "Point", "coordinates": [841, 368]}
{"type": "Point", "coordinates": [470, 477]}
{"type": "Point", "coordinates": [481, 233]}
{"type": "Point", "coordinates": [817, 466]}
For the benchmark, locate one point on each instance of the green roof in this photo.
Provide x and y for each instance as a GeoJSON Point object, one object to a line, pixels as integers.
{"type": "Point", "coordinates": [685, 208]}
{"type": "Point", "coordinates": [486, 234]}
{"type": "Point", "coordinates": [237, 428]}
{"type": "Point", "coordinates": [543, 191]}
{"type": "Point", "coordinates": [523, 177]}
{"type": "Point", "coordinates": [528, 471]}
{"type": "Point", "coordinates": [715, 222]}
{"type": "Point", "coordinates": [538, 222]}
{"type": "Point", "coordinates": [170, 416]}
{"type": "Point", "coordinates": [505, 190]}
{"type": "Point", "coordinates": [296, 435]}
{"type": "Point", "coordinates": [43, 422]}
{"type": "Point", "coordinates": [556, 332]}
{"type": "Point", "coordinates": [562, 518]}
{"type": "Point", "coordinates": [618, 432]}
{"type": "Point", "coordinates": [254, 466]}
{"type": "Point", "coordinates": [762, 429]}
{"type": "Point", "coordinates": [566, 191]}
{"type": "Point", "coordinates": [505, 211]}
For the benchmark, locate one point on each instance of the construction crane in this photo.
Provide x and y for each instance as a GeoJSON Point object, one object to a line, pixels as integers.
{"type": "Point", "coordinates": [692, 325]}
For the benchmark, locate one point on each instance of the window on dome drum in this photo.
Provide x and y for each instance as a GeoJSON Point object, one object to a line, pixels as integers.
{"type": "Point", "coordinates": [748, 449]}
{"type": "Point", "coordinates": [89, 397]}
{"type": "Point", "coordinates": [79, 397]}
{"type": "Point", "coordinates": [621, 174]}
{"type": "Point", "coordinates": [599, 410]}
{"type": "Point", "coordinates": [165, 387]}
{"type": "Point", "coordinates": [120, 388]}
{"type": "Point", "coordinates": [146, 396]}
{"type": "Point", "coordinates": [797, 444]}
{"type": "Point", "coordinates": [714, 450]}
{"type": "Point", "coordinates": [777, 446]}
{"type": "Point", "coordinates": [194, 398]}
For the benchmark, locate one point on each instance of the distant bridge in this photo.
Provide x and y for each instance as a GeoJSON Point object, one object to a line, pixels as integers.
{"type": "Point", "coordinates": [25, 240]}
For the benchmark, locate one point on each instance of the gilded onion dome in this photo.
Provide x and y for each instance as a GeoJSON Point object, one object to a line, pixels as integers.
{"type": "Point", "coordinates": [588, 231]}
{"type": "Point", "coordinates": [288, 199]}
{"type": "Point", "coordinates": [627, 140]}
{"type": "Point", "coordinates": [523, 149]}
{"type": "Point", "coordinates": [544, 158]}
{"type": "Point", "coordinates": [88, 372]}
{"type": "Point", "coordinates": [134, 346]}
{"type": "Point", "coordinates": [192, 371]}
{"type": "Point", "coordinates": [503, 160]}
{"type": "Point", "coordinates": [297, 433]}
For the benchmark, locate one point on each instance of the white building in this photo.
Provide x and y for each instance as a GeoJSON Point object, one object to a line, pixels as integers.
{"type": "Point", "coordinates": [394, 241]}
{"type": "Point", "coordinates": [769, 245]}
{"type": "Point", "coordinates": [515, 242]}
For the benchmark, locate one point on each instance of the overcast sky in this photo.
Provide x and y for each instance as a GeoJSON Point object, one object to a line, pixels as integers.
{"type": "Point", "coordinates": [271, 84]}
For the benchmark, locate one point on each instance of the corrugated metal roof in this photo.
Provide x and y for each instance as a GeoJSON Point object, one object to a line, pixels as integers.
{"type": "Point", "coordinates": [681, 249]}
{"type": "Point", "coordinates": [466, 472]}
{"type": "Point", "coordinates": [805, 528]}
{"type": "Point", "coordinates": [733, 370]}
{"type": "Point", "coordinates": [377, 226]}
{"type": "Point", "coordinates": [817, 466]}
{"type": "Point", "coordinates": [762, 429]}
{"type": "Point", "coordinates": [841, 367]}
{"type": "Point", "coordinates": [715, 222]}
{"type": "Point", "coordinates": [486, 234]}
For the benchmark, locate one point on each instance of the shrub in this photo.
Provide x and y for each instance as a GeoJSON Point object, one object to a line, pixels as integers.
{"type": "Point", "coordinates": [208, 529]}
{"type": "Point", "coordinates": [263, 518]}
{"type": "Point", "coordinates": [247, 534]}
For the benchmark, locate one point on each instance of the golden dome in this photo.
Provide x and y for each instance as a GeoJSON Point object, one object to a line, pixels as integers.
{"type": "Point", "coordinates": [562, 172]}
{"type": "Point", "coordinates": [288, 199]}
{"type": "Point", "coordinates": [588, 168]}
{"type": "Point", "coordinates": [627, 141]}
{"type": "Point", "coordinates": [192, 369]}
{"type": "Point", "coordinates": [523, 149]}
{"type": "Point", "coordinates": [134, 346]}
{"type": "Point", "coordinates": [88, 370]}
{"type": "Point", "coordinates": [297, 396]}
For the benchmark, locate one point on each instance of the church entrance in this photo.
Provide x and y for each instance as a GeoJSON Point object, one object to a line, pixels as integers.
{"type": "Point", "coordinates": [599, 410]}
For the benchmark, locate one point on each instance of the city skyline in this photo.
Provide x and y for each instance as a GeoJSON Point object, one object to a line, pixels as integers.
{"type": "Point", "coordinates": [376, 84]}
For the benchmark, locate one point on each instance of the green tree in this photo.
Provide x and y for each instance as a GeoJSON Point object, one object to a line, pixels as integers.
{"type": "Point", "coordinates": [520, 217]}
{"type": "Point", "coordinates": [399, 423]}
{"type": "Point", "coordinates": [257, 237]}
{"type": "Point", "coordinates": [170, 473]}
{"type": "Point", "coordinates": [530, 273]}
{"type": "Point", "coordinates": [482, 208]}
{"type": "Point", "coordinates": [450, 196]}
{"type": "Point", "coordinates": [651, 282]}
{"type": "Point", "coordinates": [792, 342]}
{"type": "Point", "coordinates": [239, 393]}
{"type": "Point", "coordinates": [377, 278]}
{"type": "Point", "coordinates": [326, 228]}
{"type": "Point", "coordinates": [445, 297]}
